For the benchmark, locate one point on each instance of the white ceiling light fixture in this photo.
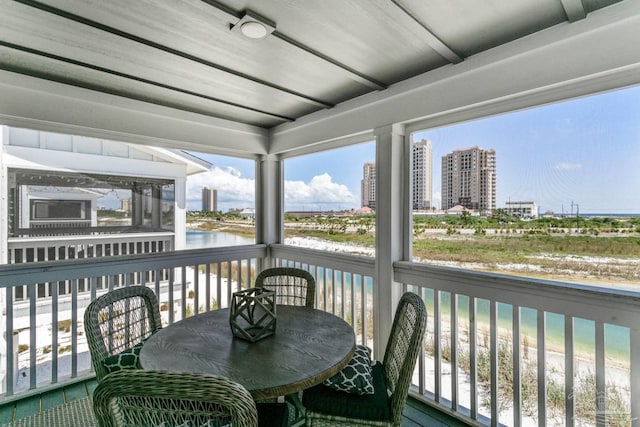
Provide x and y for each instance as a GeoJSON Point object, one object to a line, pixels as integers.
{"type": "Point", "coordinates": [253, 26]}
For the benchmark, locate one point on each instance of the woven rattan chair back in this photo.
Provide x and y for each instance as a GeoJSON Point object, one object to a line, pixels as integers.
{"type": "Point", "coordinates": [401, 354]}
{"type": "Point", "coordinates": [131, 398]}
{"type": "Point", "coordinates": [118, 320]}
{"type": "Point", "coordinates": [293, 286]}
{"type": "Point", "coordinates": [403, 348]}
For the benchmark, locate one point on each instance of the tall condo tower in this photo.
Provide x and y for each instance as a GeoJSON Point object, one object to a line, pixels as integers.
{"type": "Point", "coordinates": [368, 185]}
{"type": "Point", "coordinates": [209, 200]}
{"type": "Point", "coordinates": [422, 174]}
{"type": "Point", "coordinates": [469, 179]}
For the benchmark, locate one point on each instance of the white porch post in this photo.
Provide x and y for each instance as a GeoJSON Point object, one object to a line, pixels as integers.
{"type": "Point", "coordinates": [180, 212]}
{"type": "Point", "coordinates": [4, 258]}
{"type": "Point", "coordinates": [269, 200]}
{"type": "Point", "coordinates": [391, 197]}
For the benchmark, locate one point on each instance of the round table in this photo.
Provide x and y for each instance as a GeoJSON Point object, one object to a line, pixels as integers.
{"type": "Point", "coordinates": [308, 347]}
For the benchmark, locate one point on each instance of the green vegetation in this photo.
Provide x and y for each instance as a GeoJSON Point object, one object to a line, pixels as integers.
{"type": "Point", "coordinates": [551, 248]}
{"type": "Point", "coordinates": [584, 397]}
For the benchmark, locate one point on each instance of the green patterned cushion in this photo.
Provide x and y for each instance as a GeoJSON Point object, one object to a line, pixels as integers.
{"type": "Point", "coordinates": [376, 407]}
{"type": "Point", "coordinates": [356, 376]}
{"type": "Point", "coordinates": [127, 359]}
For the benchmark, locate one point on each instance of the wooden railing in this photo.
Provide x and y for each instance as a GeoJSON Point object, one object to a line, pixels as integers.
{"type": "Point", "coordinates": [499, 350]}
{"type": "Point", "coordinates": [344, 283]}
{"type": "Point", "coordinates": [502, 350]}
{"type": "Point", "coordinates": [60, 248]}
{"type": "Point", "coordinates": [47, 344]}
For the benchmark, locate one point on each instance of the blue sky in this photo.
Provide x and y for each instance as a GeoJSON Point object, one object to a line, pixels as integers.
{"type": "Point", "coordinates": [585, 151]}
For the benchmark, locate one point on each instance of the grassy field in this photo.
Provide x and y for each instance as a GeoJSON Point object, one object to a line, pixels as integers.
{"type": "Point", "coordinates": [605, 252]}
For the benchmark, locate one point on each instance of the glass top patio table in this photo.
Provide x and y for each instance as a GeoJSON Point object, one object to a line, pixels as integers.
{"type": "Point", "coordinates": [308, 347]}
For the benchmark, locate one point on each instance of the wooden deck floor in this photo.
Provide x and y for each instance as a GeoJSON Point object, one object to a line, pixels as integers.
{"type": "Point", "coordinates": [415, 414]}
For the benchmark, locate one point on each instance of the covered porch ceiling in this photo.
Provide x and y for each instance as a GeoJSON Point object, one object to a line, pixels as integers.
{"type": "Point", "coordinates": [182, 74]}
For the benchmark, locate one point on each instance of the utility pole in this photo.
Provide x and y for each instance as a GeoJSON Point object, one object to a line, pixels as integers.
{"type": "Point", "coordinates": [577, 218]}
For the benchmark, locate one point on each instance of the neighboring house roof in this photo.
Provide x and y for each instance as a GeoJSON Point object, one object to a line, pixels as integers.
{"type": "Point", "coordinates": [17, 140]}
{"type": "Point", "coordinates": [194, 164]}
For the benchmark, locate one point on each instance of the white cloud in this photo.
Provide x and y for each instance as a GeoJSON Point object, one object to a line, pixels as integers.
{"type": "Point", "coordinates": [566, 166]}
{"type": "Point", "coordinates": [319, 193]}
{"type": "Point", "coordinates": [234, 190]}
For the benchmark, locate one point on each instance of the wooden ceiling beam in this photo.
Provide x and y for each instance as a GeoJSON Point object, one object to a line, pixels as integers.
{"type": "Point", "coordinates": [574, 9]}
{"type": "Point", "coordinates": [75, 82]}
{"type": "Point", "coordinates": [432, 40]}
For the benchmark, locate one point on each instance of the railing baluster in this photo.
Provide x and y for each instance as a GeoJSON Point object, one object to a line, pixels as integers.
{"type": "Point", "coordinates": [493, 333]}
{"type": "Point", "coordinates": [473, 358]}
{"type": "Point", "coordinates": [11, 374]}
{"type": "Point", "coordinates": [601, 396]}
{"type": "Point", "coordinates": [171, 280]}
{"type": "Point", "coordinates": [569, 397]}
{"type": "Point", "coordinates": [32, 292]}
{"type": "Point", "coordinates": [196, 289]}
{"type": "Point", "coordinates": [74, 328]}
{"type": "Point", "coordinates": [183, 291]}
{"type": "Point", "coordinates": [635, 376]}
{"type": "Point", "coordinates": [352, 309]}
{"type": "Point", "coordinates": [207, 289]}
{"type": "Point", "coordinates": [437, 351]}
{"type": "Point", "coordinates": [54, 332]}
{"type": "Point", "coordinates": [517, 362]}
{"type": "Point", "coordinates": [363, 315]}
{"type": "Point", "coordinates": [453, 327]}
{"type": "Point", "coordinates": [542, 369]}
{"type": "Point", "coordinates": [219, 283]}
{"type": "Point", "coordinates": [343, 293]}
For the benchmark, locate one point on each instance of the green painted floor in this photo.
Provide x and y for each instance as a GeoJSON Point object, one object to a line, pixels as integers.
{"type": "Point", "coordinates": [21, 408]}
{"type": "Point", "coordinates": [415, 413]}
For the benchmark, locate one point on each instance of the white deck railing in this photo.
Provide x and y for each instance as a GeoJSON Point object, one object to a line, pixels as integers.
{"type": "Point", "coordinates": [48, 345]}
{"type": "Point", "coordinates": [512, 351]}
{"type": "Point", "coordinates": [60, 248]}
{"type": "Point", "coordinates": [499, 349]}
{"type": "Point", "coordinates": [343, 283]}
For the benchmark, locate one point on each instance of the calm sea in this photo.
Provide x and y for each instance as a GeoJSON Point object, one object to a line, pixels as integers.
{"type": "Point", "coordinates": [617, 338]}
{"type": "Point", "coordinates": [214, 239]}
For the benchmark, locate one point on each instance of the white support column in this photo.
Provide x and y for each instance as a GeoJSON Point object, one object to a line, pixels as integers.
{"type": "Point", "coordinates": [269, 200]}
{"type": "Point", "coordinates": [180, 212]}
{"type": "Point", "coordinates": [4, 235]}
{"type": "Point", "coordinates": [391, 208]}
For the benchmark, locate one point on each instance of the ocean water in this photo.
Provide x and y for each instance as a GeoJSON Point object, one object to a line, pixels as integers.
{"type": "Point", "coordinates": [617, 339]}
{"type": "Point", "coordinates": [214, 239]}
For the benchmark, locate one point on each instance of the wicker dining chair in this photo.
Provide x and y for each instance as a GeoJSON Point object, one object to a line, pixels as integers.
{"type": "Point", "coordinates": [328, 407]}
{"type": "Point", "coordinates": [119, 321]}
{"type": "Point", "coordinates": [293, 286]}
{"type": "Point", "coordinates": [171, 399]}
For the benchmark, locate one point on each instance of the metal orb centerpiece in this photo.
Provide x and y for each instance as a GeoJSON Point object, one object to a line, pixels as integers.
{"type": "Point", "coordinates": [252, 315]}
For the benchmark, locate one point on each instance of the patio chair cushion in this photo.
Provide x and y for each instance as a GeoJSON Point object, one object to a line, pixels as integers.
{"type": "Point", "coordinates": [272, 414]}
{"type": "Point", "coordinates": [375, 407]}
{"type": "Point", "coordinates": [127, 359]}
{"type": "Point", "coordinates": [356, 376]}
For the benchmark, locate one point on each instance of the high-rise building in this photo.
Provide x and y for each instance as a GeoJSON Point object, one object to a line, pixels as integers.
{"type": "Point", "coordinates": [209, 200]}
{"type": "Point", "coordinates": [421, 172]}
{"type": "Point", "coordinates": [368, 185]}
{"type": "Point", "coordinates": [469, 179]}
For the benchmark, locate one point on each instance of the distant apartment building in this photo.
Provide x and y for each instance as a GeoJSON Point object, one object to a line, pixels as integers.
{"type": "Point", "coordinates": [368, 185]}
{"type": "Point", "coordinates": [469, 179]}
{"type": "Point", "coordinates": [422, 174]}
{"type": "Point", "coordinates": [125, 205]}
{"type": "Point", "coordinates": [522, 209]}
{"type": "Point", "coordinates": [209, 200]}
